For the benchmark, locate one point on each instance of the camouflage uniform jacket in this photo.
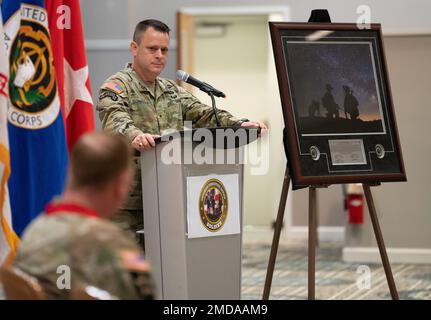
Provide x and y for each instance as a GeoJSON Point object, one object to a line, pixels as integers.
{"type": "Point", "coordinates": [129, 107]}
{"type": "Point", "coordinates": [97, 252]}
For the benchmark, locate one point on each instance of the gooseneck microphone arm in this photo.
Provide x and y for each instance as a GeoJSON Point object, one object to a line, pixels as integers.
{"type": "Point", "coordinates": [214, 109]}
{"type": "Point", "coordinates": [205, 87]}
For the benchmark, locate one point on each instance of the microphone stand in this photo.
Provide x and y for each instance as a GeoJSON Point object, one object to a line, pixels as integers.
{"type": "Point", "coordinates": [214, 108]}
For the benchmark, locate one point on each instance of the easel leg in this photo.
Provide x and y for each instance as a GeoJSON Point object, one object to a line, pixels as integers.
{"type": "Point", "coordinates": [276, 238]}
{"type": "Point", "coordinates": [380, 242]}
{"type": "Point", "coordinates": [312, 229]}
{"type": "Point", "coordinates": [316, 215]}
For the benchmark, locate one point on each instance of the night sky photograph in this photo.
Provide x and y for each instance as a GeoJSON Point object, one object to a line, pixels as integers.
{"type": "Point", "coordinates": [334, 87]}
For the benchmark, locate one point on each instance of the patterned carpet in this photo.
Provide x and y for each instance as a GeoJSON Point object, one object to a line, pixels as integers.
{"type": "Point", "coordinates": [335, 279]}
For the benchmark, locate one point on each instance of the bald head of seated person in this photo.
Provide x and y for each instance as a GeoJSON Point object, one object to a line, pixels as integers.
{"type": "Point", "coordinates": [72, 244]}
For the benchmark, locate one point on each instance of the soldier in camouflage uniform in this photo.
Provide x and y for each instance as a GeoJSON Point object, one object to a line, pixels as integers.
{"type": "Point", "coordinates": [137, 103]}
{"type": "Point", "coordinates": [74, 232]}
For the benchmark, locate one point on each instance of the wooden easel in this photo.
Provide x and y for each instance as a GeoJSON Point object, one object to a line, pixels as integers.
{"type": "Point", "coordinates": [320, 15]}
{"type": "Point", "coordinates": [312, 239]}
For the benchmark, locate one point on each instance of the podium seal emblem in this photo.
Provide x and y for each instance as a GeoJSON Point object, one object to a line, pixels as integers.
{"type": "Point", "coordinates": [213, 205]}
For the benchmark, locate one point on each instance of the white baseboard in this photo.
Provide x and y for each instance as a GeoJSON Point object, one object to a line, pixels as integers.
{"type": "Point", "coordinates": [325, 233]}
{"type": "Point", "coordinates": [253, 233]}
{"type": "Point", "coordinates": [258, 233]}
{"type": "Point", "coordinates": [395, 255]}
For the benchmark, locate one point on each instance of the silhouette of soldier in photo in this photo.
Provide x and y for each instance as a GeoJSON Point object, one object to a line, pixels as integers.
{"type": "Point", "coordinates": [350, 104]}
{"type": "Point", "coordinates": [329, 104]}
{"type": "Point", "coordinates": [314, 109]}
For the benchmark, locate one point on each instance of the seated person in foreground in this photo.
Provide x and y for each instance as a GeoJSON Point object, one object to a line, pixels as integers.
{"type": "Point", "coordinates": [72, 244]}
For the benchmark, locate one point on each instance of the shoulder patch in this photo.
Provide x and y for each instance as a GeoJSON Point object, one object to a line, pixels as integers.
{"type": "Point", "coordinates": [113, 96]}
{"type": "Point", "coordinates": [113, 86]}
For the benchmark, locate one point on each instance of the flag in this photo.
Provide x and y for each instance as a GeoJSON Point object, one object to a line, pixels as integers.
{"type": "Point", "coordinates": [65, 26]}
{"type": "Point", "coordinates": [38, 153]}
{"type": "Point", "coordinates": [8, 238]}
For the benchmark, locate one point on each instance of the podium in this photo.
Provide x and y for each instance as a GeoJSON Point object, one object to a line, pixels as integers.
{"type": "Point", "coordinates": [185, 267]}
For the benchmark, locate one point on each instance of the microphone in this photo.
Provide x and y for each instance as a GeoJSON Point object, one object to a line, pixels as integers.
{"type": "Point", "coordinates": [205, 87]}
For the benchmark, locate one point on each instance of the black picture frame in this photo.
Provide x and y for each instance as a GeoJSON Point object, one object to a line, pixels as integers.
{"type": "Point", "coordinates": [339, 118]}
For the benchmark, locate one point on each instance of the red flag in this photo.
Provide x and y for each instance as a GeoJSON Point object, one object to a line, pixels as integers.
{"type": "Point", "coordinates": [67, 40]}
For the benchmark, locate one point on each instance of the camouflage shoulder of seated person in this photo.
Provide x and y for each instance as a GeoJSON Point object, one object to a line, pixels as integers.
{"type": "Point", "coordinates": [90, 248]}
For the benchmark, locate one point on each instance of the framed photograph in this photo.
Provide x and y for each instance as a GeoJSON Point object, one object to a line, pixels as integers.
{"type": "Point", "coordinates": [337, 106]}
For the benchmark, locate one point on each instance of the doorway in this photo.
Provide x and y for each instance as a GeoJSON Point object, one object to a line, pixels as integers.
{"type": "Point", "coordinates": [230, 48]}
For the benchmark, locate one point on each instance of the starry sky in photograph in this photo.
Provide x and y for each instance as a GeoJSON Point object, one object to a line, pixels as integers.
{"type": "Point", "coordinates": [314, 64]}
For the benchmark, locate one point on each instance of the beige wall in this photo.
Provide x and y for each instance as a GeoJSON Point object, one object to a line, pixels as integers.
{"type": "Point", "coordinates": [405, 208]}
{"type": "Point", "coordinates": [240, 63]}
{"type": "Point", "coordinates": [329, 207]}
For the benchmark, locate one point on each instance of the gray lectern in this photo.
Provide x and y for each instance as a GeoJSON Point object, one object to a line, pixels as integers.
{"type": "Point", "coordinates": [184, 267]}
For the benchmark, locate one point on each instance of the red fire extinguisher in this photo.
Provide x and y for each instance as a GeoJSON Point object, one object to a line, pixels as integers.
{"type": "Point", "coordinates": [355, 203]}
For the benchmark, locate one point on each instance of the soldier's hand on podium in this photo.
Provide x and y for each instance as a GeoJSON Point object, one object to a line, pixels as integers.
{"type": "Point", "coordinates": [144, 141]}
{"type": "Point", "coordinates": [257, 124]}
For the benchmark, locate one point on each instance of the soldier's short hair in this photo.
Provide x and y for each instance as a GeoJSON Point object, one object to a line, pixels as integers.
{"type": "Point", "coordinates": [97, 159]}
{"type": "Point", "coordinates": [142, 26]}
